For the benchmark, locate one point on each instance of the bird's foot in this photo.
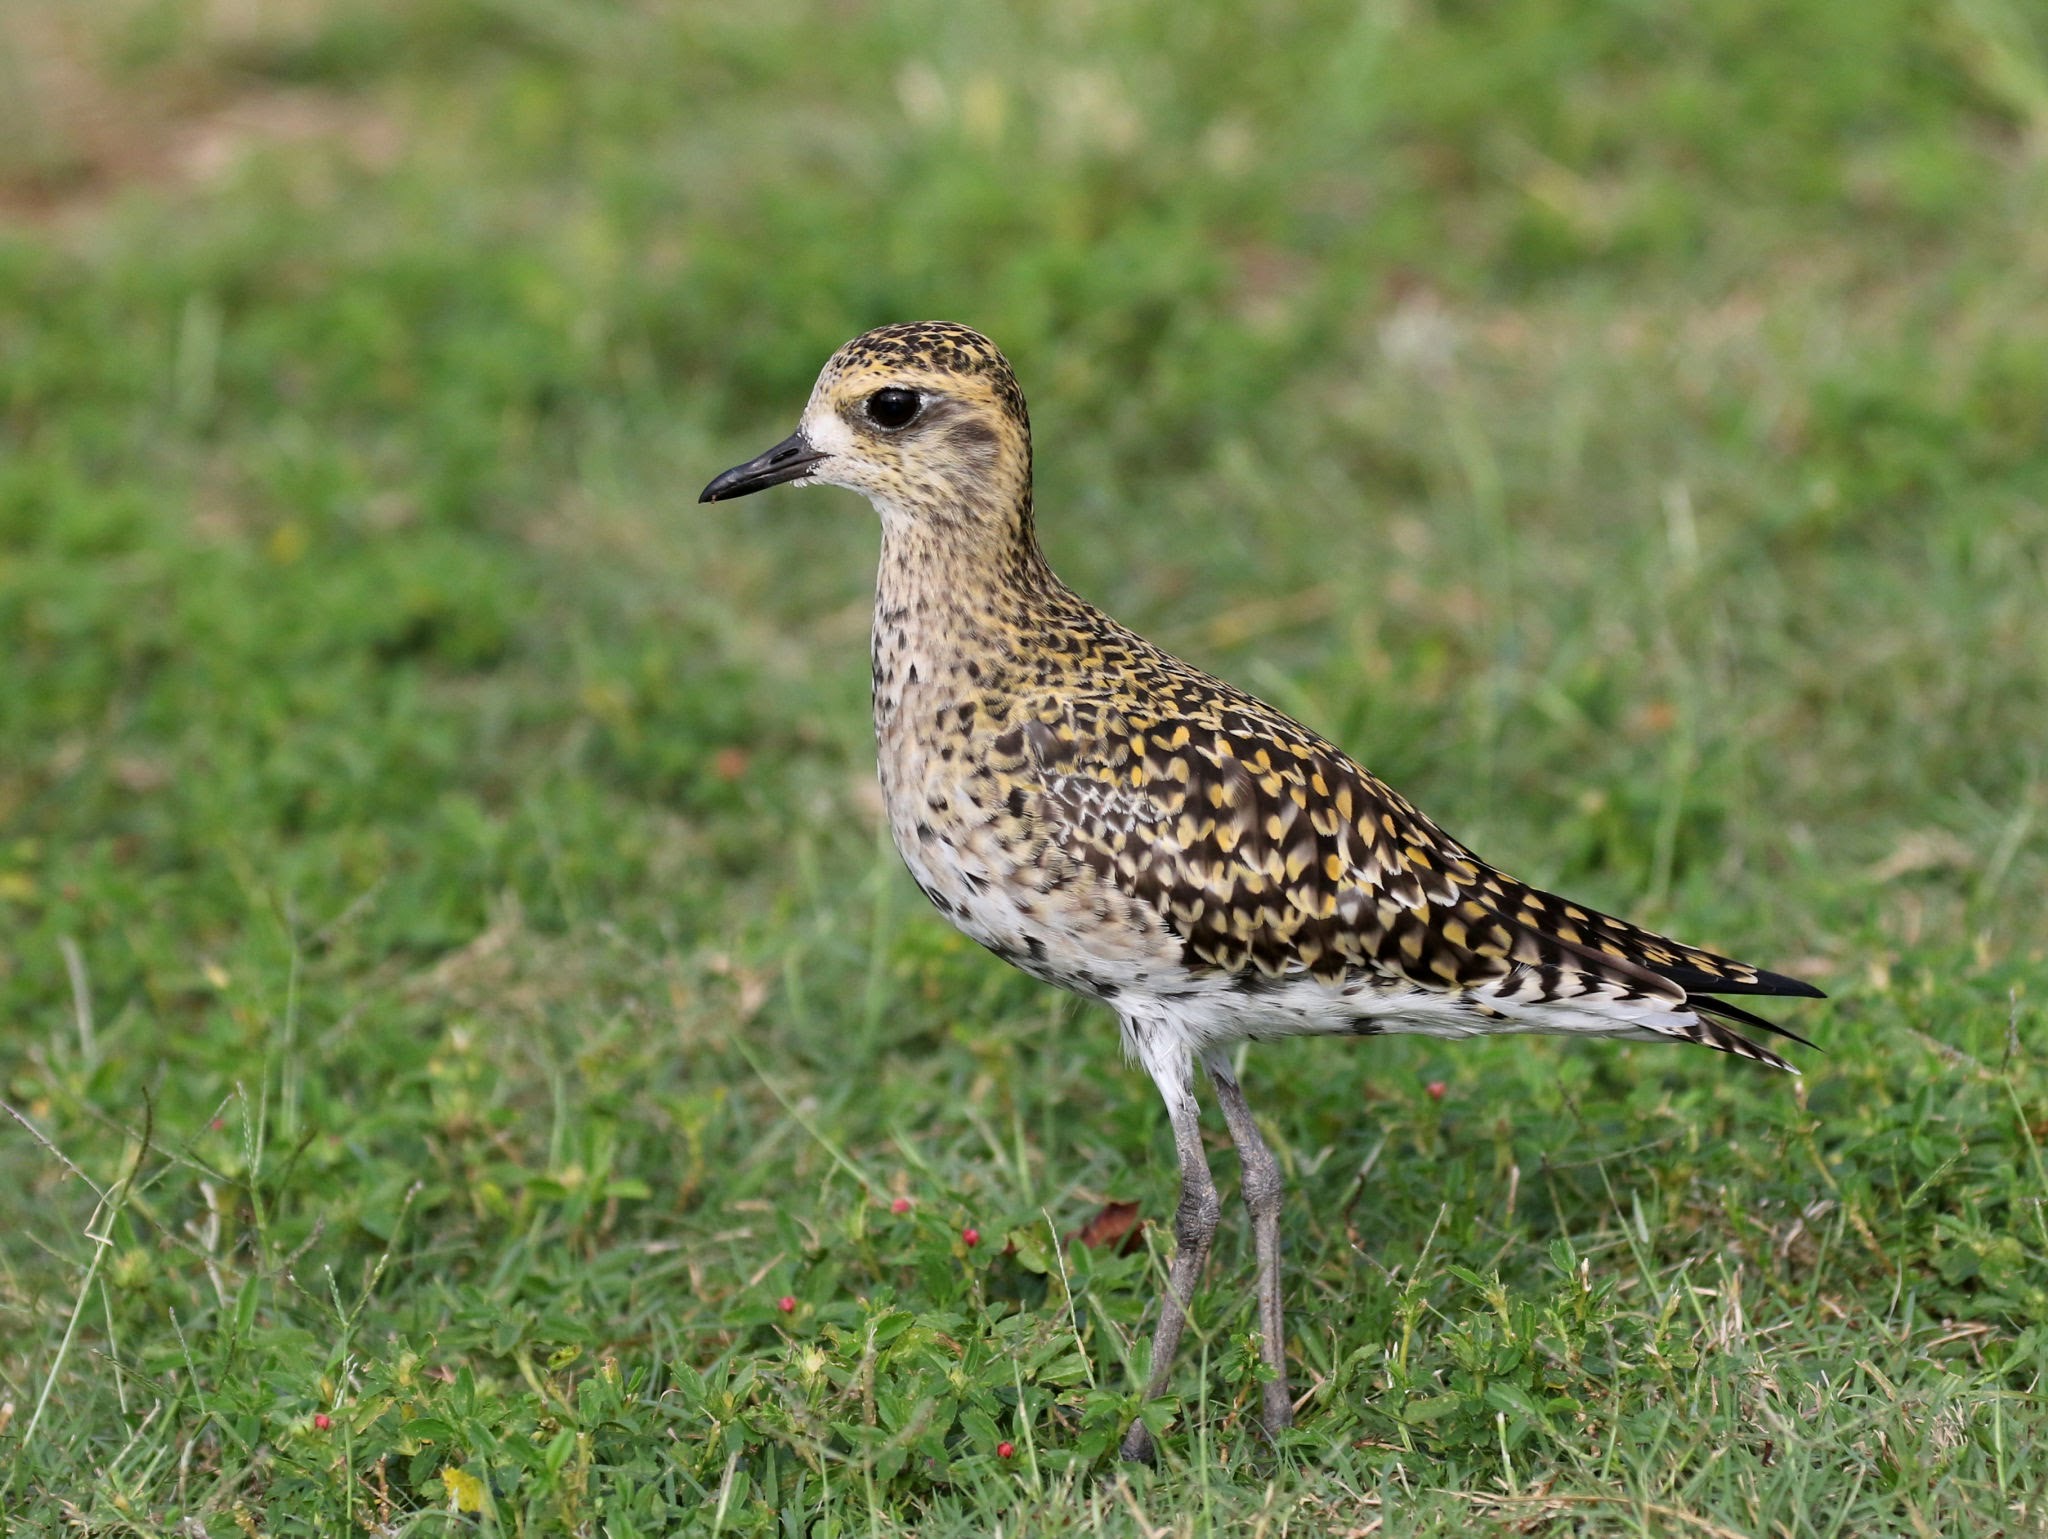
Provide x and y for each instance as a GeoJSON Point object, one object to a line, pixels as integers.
{"type": "Point", "coordinates": [1138, 1447]}
{"type": "Point", "coordinates": [1278, 1414]}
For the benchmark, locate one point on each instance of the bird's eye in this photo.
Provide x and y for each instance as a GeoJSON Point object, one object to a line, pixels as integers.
{"type": "Point", "coordinates": [893, 408]}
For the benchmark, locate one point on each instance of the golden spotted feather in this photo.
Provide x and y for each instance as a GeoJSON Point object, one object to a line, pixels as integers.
{"type": "Point", "coordinates": [1271, 854]}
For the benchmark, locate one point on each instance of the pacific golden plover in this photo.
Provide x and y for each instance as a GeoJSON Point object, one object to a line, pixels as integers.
{"type": "Point", "coordinates": [1118, 823]}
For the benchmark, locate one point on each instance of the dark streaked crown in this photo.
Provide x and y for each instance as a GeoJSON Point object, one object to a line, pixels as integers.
{"type": "Point", "coordinates": [945, 347]}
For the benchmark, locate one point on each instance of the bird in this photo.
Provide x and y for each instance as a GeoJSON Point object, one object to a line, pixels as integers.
{"type": "Point", "coordinates": [1123, 825]}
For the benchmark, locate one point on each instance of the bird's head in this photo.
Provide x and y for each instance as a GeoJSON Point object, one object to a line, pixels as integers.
{"type": "Point", "coordinates": [924, 419]}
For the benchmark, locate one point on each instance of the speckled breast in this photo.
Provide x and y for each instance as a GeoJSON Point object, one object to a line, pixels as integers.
{"type": "Point", "coordinates": [968, 838]}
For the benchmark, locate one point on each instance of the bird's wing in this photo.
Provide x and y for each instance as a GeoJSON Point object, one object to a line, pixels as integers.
{"type": "Point", "coordinates": [1269, 852]}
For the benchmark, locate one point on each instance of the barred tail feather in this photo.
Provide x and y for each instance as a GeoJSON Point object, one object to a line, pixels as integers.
{"type": "Point", "coordinates": [1726, 1011]}
{"type": "Point", "coordinates": [1711, 1033]}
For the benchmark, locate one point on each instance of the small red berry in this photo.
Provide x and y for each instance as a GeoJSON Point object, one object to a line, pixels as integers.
{"type": "Point", "coordinates": [322, 1420]}
{"type": "Point", "coordinates": [1005, 1450]}
{"type": "Point", "coordinates": [1436, 1089]}
{"type": "Point", "coordinates": [786, 1304]}
{"type": "Point", "coordinates": [971, 1236]}
{"type": "Point", "coordinates": [900, 1205]}
{"type": "Point", "coordinates": [216, 1124]}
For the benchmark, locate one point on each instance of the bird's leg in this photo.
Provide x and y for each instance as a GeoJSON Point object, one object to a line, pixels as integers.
{"type": "Point", "coordinates": [1263, 1191]}
{"type": "Point", "coordinates": [1194, 1220]}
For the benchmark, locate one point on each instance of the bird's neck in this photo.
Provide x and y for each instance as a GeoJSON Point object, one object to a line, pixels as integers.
{"type": "Point", "coordinates": [959, 600]}
{"type": "Point", "coordinates": [963, 564]}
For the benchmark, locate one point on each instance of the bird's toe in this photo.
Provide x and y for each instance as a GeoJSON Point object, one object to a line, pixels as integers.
{"type": "Point", "coordinates": [1138, 1447]}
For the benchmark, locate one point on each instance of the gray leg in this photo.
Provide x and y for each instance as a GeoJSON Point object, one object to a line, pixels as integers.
{"type": "Point", "coordinates": [1263, 1191]}
{"type": "Point", "coordinates": [1194, 1221]}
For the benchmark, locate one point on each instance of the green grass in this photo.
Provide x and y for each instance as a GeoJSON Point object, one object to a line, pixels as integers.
{"type": "Point", "coordinates": [454, 985]}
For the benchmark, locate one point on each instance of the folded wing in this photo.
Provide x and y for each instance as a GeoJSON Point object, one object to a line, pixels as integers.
{"type": "Point", "coordinates": [1270, 853]}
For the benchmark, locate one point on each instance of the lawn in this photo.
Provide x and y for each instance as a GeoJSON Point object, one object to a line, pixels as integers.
{"type": "Point", "coordinates": [471, 1060]}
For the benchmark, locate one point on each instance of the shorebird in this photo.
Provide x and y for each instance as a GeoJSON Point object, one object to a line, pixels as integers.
{"type": "Point", "coordinates": [1119, 823]}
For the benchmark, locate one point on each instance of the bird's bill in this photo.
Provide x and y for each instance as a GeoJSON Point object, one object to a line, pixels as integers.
{"type": "Point", "coordinates": [790, 460]}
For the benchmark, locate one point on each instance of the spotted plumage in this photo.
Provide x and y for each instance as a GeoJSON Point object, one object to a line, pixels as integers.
{"type": "Point", "coordinates": [1119, 823]}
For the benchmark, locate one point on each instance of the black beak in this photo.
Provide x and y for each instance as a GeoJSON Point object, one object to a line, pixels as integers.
{"type": "Point", "coordinates": [787, 461]}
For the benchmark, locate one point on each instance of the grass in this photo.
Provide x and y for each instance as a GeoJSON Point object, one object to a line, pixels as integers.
{"type": "Point", "coordinates": [455, 986]}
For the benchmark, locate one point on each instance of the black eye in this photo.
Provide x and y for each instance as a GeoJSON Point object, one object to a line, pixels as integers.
{"type": "Point", "coordinates": [893, 408]}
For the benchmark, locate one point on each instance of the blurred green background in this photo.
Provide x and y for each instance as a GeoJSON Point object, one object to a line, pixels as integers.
{"type": "Point", "coordinates": [455, 988]}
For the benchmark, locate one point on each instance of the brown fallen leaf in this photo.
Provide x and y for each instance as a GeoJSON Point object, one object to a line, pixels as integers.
{"type": "Point", "coordinates": [1117, 1226]}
